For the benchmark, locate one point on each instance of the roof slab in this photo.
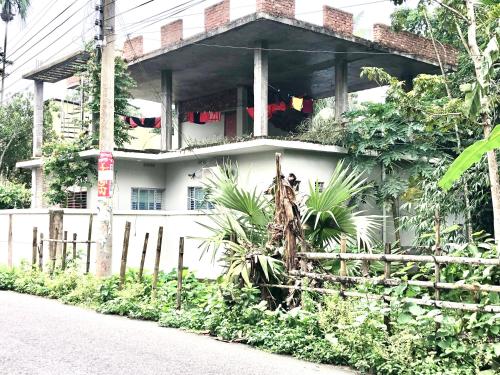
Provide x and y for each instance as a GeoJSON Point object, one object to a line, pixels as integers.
{"type": "Point", "coordinates": [301, 60]}
{"type": "Point", "coordinates": [60, 69]}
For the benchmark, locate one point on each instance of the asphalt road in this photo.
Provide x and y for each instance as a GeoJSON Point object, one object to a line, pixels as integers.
{"type": "Point", "coordinates": [41, 336]}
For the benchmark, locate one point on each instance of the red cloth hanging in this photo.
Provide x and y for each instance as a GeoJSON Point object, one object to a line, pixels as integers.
{"type": "Point", "coordinates": [271, 108]}
{"type": "Point", "coordinates": [307, 106]}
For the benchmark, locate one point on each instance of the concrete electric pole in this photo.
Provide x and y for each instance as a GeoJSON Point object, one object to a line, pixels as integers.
{"type": "Point", "coordinates": [106, 143]}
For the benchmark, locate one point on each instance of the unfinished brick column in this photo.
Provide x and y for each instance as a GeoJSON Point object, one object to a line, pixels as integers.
{"type": "Point", "coordinates": [217, 15]}
{"type": "Point", "coordinates": [171, 33]}
{"type": "Point", "coordinates": [413, 44]}
{"type": "Point", "coordinates": [337, 20]}
{"type": "Point", "coordinates": [133, 48]}
{"type": "Point", "coordinates": [279, 8]}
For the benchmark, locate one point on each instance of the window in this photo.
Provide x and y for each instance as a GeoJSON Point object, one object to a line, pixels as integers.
{"type": "Point", "coordinates": [197, 199]}
{"type": "Point", "coordinates": [319, 186]}
{"type": "Point", "coordinates": [76, 199]}
{"type": "Point", "coordinates": [147, 199]}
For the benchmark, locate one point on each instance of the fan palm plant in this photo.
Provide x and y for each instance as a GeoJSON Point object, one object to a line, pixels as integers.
{"type": "Point", "coordinates": [241, 222]}
{"type": "Point", "coordinates": [328, 214]}
{"type": "Point", "coordinates": [9, 9]}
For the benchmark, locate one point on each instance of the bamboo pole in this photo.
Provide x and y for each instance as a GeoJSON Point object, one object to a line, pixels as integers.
{"type": "Point", "coordinates": [396, 282]}
{"type": "Point", "coordinates": [62, 241]}
{"type": "Point", "coordinates": [64, 251]}
{"type": "Point", "coordinates": [402, 258]}
{"type": "Point", "coordinates": [123, 266]}
{"type": "Point", "coordinates": [179, 272]}
{"type": "Point", "coordinates": [387, 275]}
{"type": "Point", "coordinates": [343, 249]}
{"type": "Point", "coordinates": [34, 249]}
{"type": "Point", "coordinates": [9, 243]}
{"type": "Point", "coordinates": [53, 253]}
{"type": "Point", "coordinates": [143, 256]}
{"type": "Point", "coordinates": [40, 253]}
{"type": "Point", "coordinates": [437, 267]}
{"type": "Point", "coordinates": [89, 239]}
{"type": "Point", "coordinates": [157, 263]}
{"type": "Point", "coordinates": [74, 246]}
{"type": "Point", "coordinates": [417, 301]}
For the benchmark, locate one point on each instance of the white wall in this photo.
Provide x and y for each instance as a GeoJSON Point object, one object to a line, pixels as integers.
{"type": "Point", "coordinates": [211, 131]}
{"type": "Point", "coordinates": [76, 221]}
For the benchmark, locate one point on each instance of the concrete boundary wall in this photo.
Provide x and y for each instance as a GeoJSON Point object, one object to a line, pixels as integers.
{"type": "Point", "coordinates": [175, 224]}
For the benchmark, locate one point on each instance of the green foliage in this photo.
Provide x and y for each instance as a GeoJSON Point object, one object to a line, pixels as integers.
{"type": "Point", "coordinates": [14, 195]}
{"type": "Point", "coordinates": [328, 329]}
{"type": "Point", "coordinates": [65, 168]}
{"type": "Point", "coordinates": [123, 84]}
{"type": "Point", "coordinates": [470, 156]}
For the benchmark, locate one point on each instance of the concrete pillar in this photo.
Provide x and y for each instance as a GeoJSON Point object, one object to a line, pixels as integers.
{"type": "Point", "coordinates": [38, 120]}
{"type": "Point", "coordinates": [341, 98]}
{"type": "Point", "coordinates": [166, 110]}
{"type": "Point", "coordinates": [37, 173]}
{"type": "Point", "coordinates": [260, 82]}
{"type": "Point", "coordinates": [178, 131]}
{"type": "Point", "coordinates": [241, 112]}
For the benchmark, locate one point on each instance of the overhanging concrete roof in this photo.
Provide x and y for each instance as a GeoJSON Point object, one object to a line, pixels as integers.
{"type": "Point", "coordinates": [236, 148]}
{"type": "Point", "coordinates": [221, 59]}
{"type": "Point", "coordinates": [60, 69]}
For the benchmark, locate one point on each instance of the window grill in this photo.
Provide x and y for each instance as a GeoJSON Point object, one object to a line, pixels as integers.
{"type": "Point", "coordinates": [147, 199]}
{"type": "Point", "coordinates": [197, 199]}
{"type": "Point", "coordinates": [76, 199]}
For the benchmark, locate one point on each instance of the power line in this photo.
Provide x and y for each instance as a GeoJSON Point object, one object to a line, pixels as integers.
{"type": "Point", "coordinates": [41, 16]}
{"type": "Point", "coordinates": [54, 29]}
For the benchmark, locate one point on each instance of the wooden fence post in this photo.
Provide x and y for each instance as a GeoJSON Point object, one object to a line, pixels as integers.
{"type": "Point", "coordinates": [34, 249]}
{"type": "Point", "coordinates": [437, 252]}
{"type": "Point", "coordinates": [53, 253]}
{"type": "Point", "coordinates": [179, 272]}
{"type": "Point", "coordinates": [65, 248]}
{"type": "Point", "coordinates": [74, 247]}
{"type": "Point", "coordinates": [56, 223]}
{"type": "Point", "coordinates": [157, 263]}
{"type": "Point", "coordinates": [9, 243]}
{"type": "Point", "coordinates": [143, 256]}
{"type": "Point", "coordinates": [89, 239]}
{"type": "Point", "coordinates": [387, 275]}
{"type": "Point", "coordinates": [343, 249]}
{"type": "Point", "coordinates": [40, 253]}
{"type": "Point", "coordinates": [123, 266]}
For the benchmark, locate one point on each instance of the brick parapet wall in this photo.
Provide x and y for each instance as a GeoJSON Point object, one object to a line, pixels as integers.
{"type": "Point", "coordinates": [279, 8]}
{"type": "Point", "coordinates": [337, 20]}
{"type": "Point", "coordinates": [217, 15]}
{"type": "Point", "coordinates": [133, 48]}
{"type": "Point", "coordinates": [413, 44]}
{"type": "Point", "coordinates": [171, 33]}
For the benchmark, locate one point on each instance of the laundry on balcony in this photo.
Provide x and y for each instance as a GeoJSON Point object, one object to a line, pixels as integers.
{"type": "Point", "coordinates": [203, 117]}
{"type": "Point", "coordinates": [302, 104]}
{"type": "Point", "coordinates": [271, 108]}
{"type": "Point", "coordinates": [143, 122]}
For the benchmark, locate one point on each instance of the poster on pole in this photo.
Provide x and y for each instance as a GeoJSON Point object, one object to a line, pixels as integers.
{"type": "Point", "coordinates": [105, 170]}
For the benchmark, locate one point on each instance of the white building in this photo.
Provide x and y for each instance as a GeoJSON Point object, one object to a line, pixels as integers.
{"type": "Point", "coordinates": [265, 58]}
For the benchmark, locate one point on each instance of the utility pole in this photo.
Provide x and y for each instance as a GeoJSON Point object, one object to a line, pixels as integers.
{"type": "Point", "coordinates": [106, 143]}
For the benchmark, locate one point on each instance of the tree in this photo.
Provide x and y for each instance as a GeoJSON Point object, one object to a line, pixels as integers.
{"type": "Point", "coordinates": [9, 9]}
{"type": "Point", "coordinates": [481, 91]}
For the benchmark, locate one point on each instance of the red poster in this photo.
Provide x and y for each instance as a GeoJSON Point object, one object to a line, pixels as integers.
{"type": "Point", "coordinates": [105, 166]}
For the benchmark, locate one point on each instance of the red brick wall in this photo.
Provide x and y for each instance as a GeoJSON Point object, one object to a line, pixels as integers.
{"type": "Point", "coordinates": [133, 48]}
{"type": "Point", "coordinates": [171, 33]}
{"type": "Point", "coordinates": [280, 8]}
{"type": "Point", "coordinates": [337, 20]}
{"type": "Point", "coordinates": [413, 44]}
{"type": "Point", "coordinates": [217, 15]}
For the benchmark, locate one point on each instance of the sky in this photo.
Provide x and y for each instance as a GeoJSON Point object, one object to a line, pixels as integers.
{"type": "Point", "coordinates": [56, 28]}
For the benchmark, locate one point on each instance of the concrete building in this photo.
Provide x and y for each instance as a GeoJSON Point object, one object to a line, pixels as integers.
{"type": "Point", "coordinates": [245, 63]}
